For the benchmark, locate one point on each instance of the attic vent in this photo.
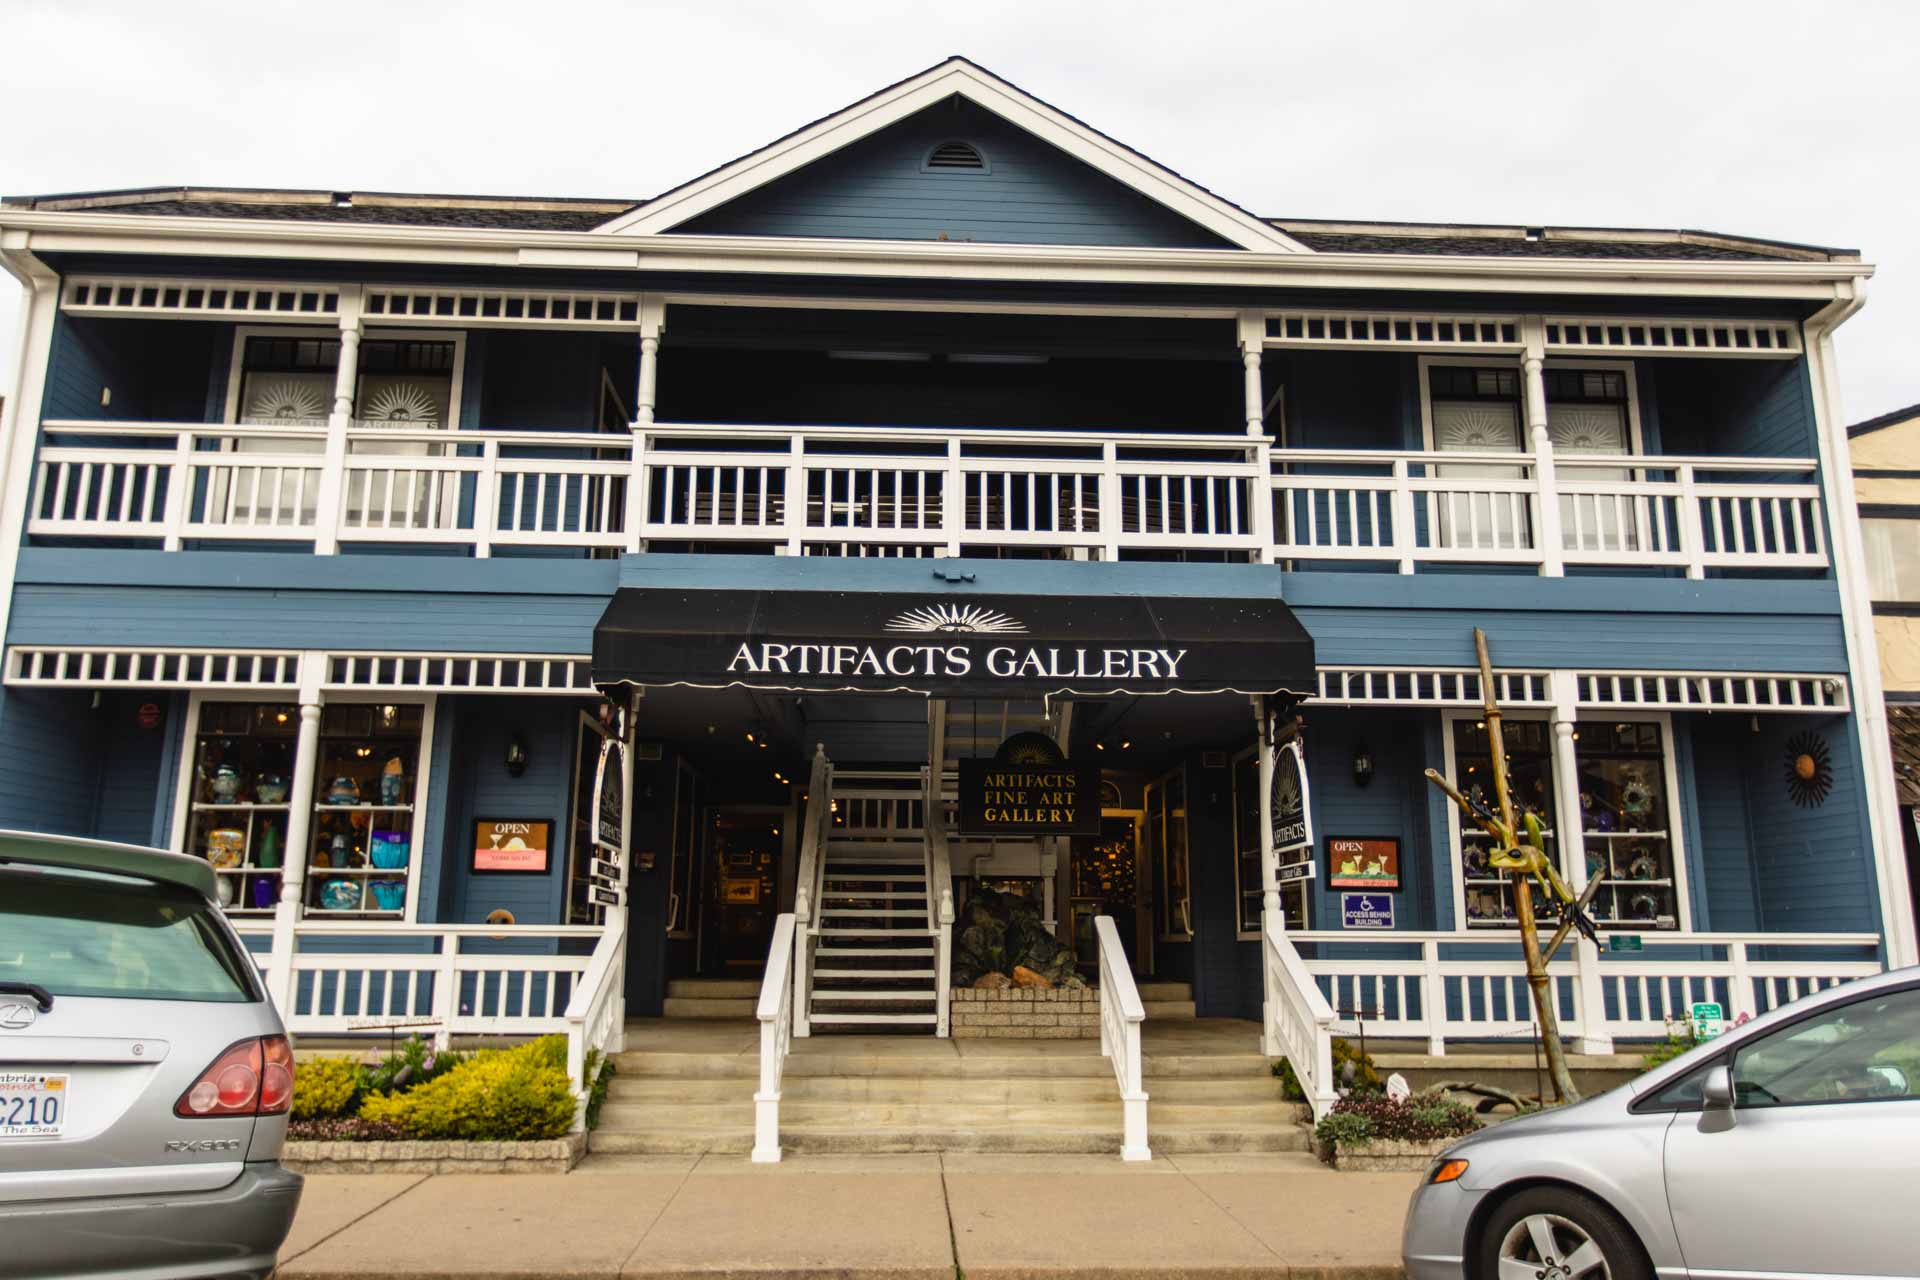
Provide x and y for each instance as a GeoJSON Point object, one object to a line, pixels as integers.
{"type": "Point", "coordinates": [955, 157]}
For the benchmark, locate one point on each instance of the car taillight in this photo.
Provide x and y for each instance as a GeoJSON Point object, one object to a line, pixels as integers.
{"type": "Point", "coordinates": [252, 1077]}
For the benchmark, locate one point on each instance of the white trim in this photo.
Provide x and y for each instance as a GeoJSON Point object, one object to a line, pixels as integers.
{"type": "Point", "coordinates": [301, 302]}
{"type": "Point", "coordinates": [1673, 336]}
{"type": "Point", "coordinates": [954, 76]}
{"type": "Point", "coordinates": [587, 721]}
{"type": "Point", "coordinates": [1819, 282]}
{"type": "Point", "coordinates": [503, 308]}
{"type": "Point", "coordinates": [1346, 330]}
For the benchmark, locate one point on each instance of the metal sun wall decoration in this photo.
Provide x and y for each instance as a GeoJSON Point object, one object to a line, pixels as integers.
{"type": "Point", "coordinates": [1809, 769]}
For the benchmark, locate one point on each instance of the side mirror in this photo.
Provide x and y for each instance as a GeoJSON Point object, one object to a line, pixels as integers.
{"type": "Point", "coordinates": [1716, 1090]}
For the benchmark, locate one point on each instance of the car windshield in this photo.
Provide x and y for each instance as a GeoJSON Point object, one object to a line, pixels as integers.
{"type": "Point", "coordinates": [78, 933]}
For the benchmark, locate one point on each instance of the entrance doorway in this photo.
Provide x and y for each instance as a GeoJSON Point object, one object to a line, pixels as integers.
{"type": "Point", "coordinates": [744, 848]}
{"type": "Point", "coordinates": [1106, 882]}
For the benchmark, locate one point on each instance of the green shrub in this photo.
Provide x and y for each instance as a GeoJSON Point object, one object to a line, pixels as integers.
{"type": "Point", "coordinates": [1676, 1043]}
{"type": "Point", "coordinates": [1360, 1118]}
{"type": "Point", "coordinates": [324, 1088]}
{"type": "Point", "coordinates": [495, 1096]}
{"type": "Point", "coordinates": [1344, 1129]}
{"type": "Point", "coordinates": [414, 1063]}
{"type": "Point", "coordinates": [1289, 1082]}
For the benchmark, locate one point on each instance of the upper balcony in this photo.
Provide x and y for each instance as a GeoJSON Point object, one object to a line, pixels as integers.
{"type": "Point", "coordinates": [1325, 441]}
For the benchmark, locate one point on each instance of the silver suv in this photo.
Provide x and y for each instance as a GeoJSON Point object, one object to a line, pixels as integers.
{"type": "Point", "coordinates": [145, 1079]}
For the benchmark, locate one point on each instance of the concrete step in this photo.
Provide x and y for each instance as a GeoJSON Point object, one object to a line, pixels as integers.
{"type": "Point", "coordinates": [829, 995]}
{"type": "Point", "coordinates": [869, 975]}
{"type": "Point", "coordinates": [832, 952]}
{"type": "Point", "coordinates": [938, 1061]}
{"type": "Point", "coordinates": [705, 1007]}
{"type": "Point", "coordinates": [715, 988]}
{"type": "Point", "coordinates": [1152, 990]}
{"type": "Point", "coordinates": [1169, 1010]}
{"type": "Point", "coordinates": [812, 1138]}
{"type": "Point", "coordinates": [669, 1141]}
{"type": "Point", "coordinates": [666, 1091]}
{"type": "Point", "coordinates": [831, 1017]}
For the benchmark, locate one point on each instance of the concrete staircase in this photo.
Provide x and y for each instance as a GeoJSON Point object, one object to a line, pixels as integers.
{"type": "Point", "coordinates": [711, 998]}
{"type": "Point", "coordinates": [859, 1094]}
{"type": "Point", "coordinates": [1167, 1000]}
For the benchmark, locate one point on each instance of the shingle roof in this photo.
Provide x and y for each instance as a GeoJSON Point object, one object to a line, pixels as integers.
{"type": "Point", "coordinates": [529, 213]}
{"type": "Point", "coordinates": [1892, 418]}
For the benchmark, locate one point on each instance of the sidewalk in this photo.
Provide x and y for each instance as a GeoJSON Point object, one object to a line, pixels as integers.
{"type": "Point", "coordinates": [916, 1217]}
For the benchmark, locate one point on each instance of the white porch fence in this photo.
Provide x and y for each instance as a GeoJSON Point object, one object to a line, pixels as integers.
{"type": "Point", "coordinates": [1121, 1016]}
{"type": "Point", "coordinates": [457, 980]}
{"type": "Point", "coordinates": [1434, 997]}
{"type": "Point", "coordinates": [775, 1012]}
{"type": "Point", "coordinates": [921, 492]}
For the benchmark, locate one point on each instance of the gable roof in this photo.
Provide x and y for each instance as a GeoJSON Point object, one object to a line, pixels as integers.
{"type": "Point", "coordinates": [976, 84]}
{"type": "Point", "coordinates": [1885, 420]}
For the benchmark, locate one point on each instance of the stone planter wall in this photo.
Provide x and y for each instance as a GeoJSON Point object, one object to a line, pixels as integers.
{"type": "Point", "coordinates": [1384, 1156]}
{"type": "Point", "coordinates": [556, 1155]}
{"type": "Point", "coordinates": [1025, 1013]}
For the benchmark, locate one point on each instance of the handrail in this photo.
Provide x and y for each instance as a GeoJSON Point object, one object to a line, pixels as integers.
{"type": "Point", "coordinates": [1121, 1015]}
{"type": "Point", "coordinates": [596, 1012]}
{"type": "Point", "coordinates": [940, 910]}
{"type": "Point", "coordinates": [1299, 1021]}
{"type": "Point", "coordinates": [808, 882]}
{"type": "Point", "coordinates": [775, 1012]}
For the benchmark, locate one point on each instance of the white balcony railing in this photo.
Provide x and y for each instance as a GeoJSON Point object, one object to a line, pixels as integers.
{"type": "Point", "coordinates": [1430, 996]}
{"type": "Point", "coordinates": [901, 492]}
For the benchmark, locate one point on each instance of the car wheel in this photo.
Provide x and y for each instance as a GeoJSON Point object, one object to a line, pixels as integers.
{"type": "Point", "coordinates": [1554, 1233]}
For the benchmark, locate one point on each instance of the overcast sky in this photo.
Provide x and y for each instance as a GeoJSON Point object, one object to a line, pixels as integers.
{"type": "Point", "coordinates": [1791, 119]}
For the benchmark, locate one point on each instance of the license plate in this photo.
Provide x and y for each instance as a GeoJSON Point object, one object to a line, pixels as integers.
{"type": "Point", "coordinates": [32, 1104]}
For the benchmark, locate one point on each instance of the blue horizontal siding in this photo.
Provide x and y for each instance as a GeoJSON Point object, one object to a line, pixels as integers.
{"type": "Point", "coordinates": [1033, 193]}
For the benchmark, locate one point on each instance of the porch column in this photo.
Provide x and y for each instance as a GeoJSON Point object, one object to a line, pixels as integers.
{"type": "Point", "coordinates": [293, 870]}
{"type": "Point", "coordinates": [1546, 484]}
{"type": "Point", "coordinates": [333, 470]}
{"type": "Point", "coordinates": [1253, 332]}
{"type": "Point", "coordinates": [653, 322]}
{"type": "Point", "coordinates": [1270, 914]}
{"type": "Point", "coordinates": [1595, 1035]}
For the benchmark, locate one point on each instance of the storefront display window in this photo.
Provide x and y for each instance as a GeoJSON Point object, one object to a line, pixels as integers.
{"type": "Point", "coordinates": [361, 855]}
{"type": "Point", "coordinates": [242, 770]}
{"type": "Point", "coordinates": [1627, 831]}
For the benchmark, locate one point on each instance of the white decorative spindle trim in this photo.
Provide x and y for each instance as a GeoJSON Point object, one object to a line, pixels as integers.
{"type": "Point", "coordinates": [460, 672]}
{"type": "Point", "coordinates": [78, 667]}
{"type": "Point", "coordinates": [521, 308]}
{"type": "Point", "coordinates": [1712, 691]}
{"type": "Point", "coordinates": [1406, 331]}
{"type": "Point", "coordinates": [1646, 336]}
{"type": "Point", "coordinates": [200, 299]}
{"type": "Point", "coordinates": [1428, 687]}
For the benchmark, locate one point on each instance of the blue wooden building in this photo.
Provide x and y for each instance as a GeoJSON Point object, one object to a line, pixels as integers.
{"type": "Point", "coordinates": [345, 532]}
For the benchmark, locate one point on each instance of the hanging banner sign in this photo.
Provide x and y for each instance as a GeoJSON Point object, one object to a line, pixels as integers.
{"type": "Point", "coordinates": [610, 796]}
{"type": "Point", "coordinates": [1291, 809]}
{"type": "Point", "coordinates": [1029, 788]}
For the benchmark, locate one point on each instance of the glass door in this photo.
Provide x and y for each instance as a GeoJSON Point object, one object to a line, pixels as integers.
{"type": "Point", "coordinates": [1166, 842]}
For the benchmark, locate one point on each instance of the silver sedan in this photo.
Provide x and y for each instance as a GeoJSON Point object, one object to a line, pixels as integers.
{"type": "Point", "coordinates": [1788, 1147]}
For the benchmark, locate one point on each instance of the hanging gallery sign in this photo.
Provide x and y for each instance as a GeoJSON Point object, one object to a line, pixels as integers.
{"type": "Point", "coordinates": [512, 846]}
{"type": "Point", "coordinates": [1287, 799]}
{"type": "Point", "coordinates": [1029, 788]}
{"type": "Point", "coordinates": [1363, 862]}
{"type": "Point", "coordinates": [610, 797]}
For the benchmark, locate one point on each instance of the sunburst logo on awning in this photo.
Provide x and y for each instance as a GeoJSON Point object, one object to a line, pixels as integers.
{"type": "Point", "coordinates": [956, 619]}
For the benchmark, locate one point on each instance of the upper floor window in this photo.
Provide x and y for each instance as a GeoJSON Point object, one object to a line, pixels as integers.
{"type": "Point", "coordinates": [1893, 557]}
{"type": "Point", "coordinates": [289, 381]}
{"type": "Point", "coordinates": [1481, 409]}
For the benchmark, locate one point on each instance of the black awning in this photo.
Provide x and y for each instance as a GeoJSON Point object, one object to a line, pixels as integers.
{"type": "Point", "coordinates": [951, 644]}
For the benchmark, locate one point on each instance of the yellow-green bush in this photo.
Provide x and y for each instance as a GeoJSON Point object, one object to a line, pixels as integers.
{"type": "Point", "coordinates": [324, 1087]}
{"type": "Point", "coordinates": [496, 1096]}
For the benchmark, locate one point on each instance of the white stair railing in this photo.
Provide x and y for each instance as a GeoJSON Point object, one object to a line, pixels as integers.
{"type": "Point", "coordinates": [597, 1012]}
{"type": "Point", "coordinates": [808, 882]}
{"type": "Point", "coordinates": [775, 1012]}
{"type": "Point", "coordinates": [1121, 1015]}
{"type": "Point", "coordinates": [1298, 1019]}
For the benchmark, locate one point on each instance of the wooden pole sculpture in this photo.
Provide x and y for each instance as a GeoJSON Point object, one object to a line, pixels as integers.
{"type": "Point", "coordinates": [1526, 859]}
